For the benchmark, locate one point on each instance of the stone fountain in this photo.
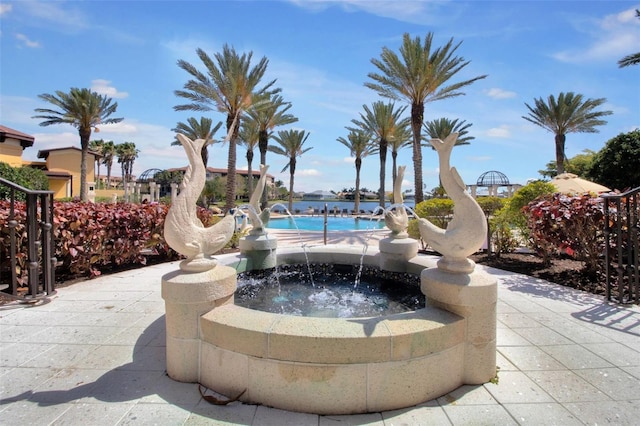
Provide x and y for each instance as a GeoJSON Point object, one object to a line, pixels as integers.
{"type": "Point", "coordinates": [336, 365]}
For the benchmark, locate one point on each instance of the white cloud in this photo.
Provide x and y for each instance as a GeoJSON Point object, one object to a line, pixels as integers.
{"type": "Point", "coordinates": [480, 158]}
{"type": "Point", "coordinates": [103, 87]}
{"type": "Point", "coordinates": [498, 93]}
{"type": "Point", "coordinates": [612, 37]}
{"type": "Point", "coordinates": [63, 15]}
{"type": "Point", "coordinates": [52, 141]}
{"type": "Point", "coordinates": [349, 160]}
{"type": "Point", "coordinates": [5, 8]}
{"type": "Point", "coordinates": [308, 172]}
{"type": "Point", "coordinates": [26, 41]}
{"type": "Point", "coordinates": [18, 109]}
{"type": "Point", "coordinates": [501, 131]}
{"type": "Point", "coordinates": [417, 11]}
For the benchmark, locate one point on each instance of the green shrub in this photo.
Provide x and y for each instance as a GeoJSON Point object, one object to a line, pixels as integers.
{"type": "Point", "coordinates": [436, 210]}
{"type": "Point", "coordinates": [616, 165]}
{"type": "Point", "coordinates": [522, 197]}
{"type": "Point", "coordinates": [414, 232]}
{"type": "Point", "coordinates": [501, 233]}
{"type": "Point", "coordinates": [27, 177]}
{"type": "Point", "coordinates": [490, 205]}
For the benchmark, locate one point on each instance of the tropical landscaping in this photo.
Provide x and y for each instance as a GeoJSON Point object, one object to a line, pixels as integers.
{"type": "Point", "coordinates": [91, 238]}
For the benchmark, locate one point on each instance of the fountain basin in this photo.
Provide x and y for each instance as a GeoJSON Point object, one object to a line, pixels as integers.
{"type": "Point", "coordinates": [329, 365]}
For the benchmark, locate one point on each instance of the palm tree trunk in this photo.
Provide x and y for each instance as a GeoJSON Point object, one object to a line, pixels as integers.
{"type": "Point", "coordinates": [263, 146]}
{"type": "Point", "coordinates": [560, 140]}
{"type": "Point", "coordinates": [85, 135]}
{"type": "Point", "coordinates": [230, 195]}
{"type": "Point", "coordinates": [109, 175]}
{"type": "Point", "coordinates": [96, 175]}
{"type": "Point", "coordinates": [356, 204]}
{"type": "Point", "coordinates": [130, 168]}
{"type": "Point", "coordinates": [292, 171]}
{"type": "Point", "coordinates": [124, 174]}
{"type": "Point", "coordinates": [417, 115]}
{"type": "Point", "coordinates": [383, 166]}
{"type": "Point", "coordinates": [394, 171]}
{"type": "Point", "coordinates": [249, 173]}
{"type": "Point", "coordinates": [204, 154]}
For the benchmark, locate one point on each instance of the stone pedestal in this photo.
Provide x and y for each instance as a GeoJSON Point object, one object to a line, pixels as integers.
{"type": "Point", "coordinates": [395, 252]}
{"type": "Point", "coordinates": [187, 297]}
{"type": "Point", "coordinates": [260, 251]}
{"type": "Point", "coordinates": [473, 296]}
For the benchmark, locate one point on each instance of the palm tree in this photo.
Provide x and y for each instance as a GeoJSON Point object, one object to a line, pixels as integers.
{"type": "Point", "coordinates": [229, 86]}
{"type": "Point", "coordinates": [290, 144]}
{"type": "Point", "coordinates": [382, 121]}
{"type": "Point", "coordinates": [96, 146]}
{"type": "Point", "coordinates": [84, 110]}
{"type": "Point", "coordinates": [571, 113]}
{"type": "Point", "coordinates": [633, 59]}
{"type": "Point", "coordinates": [127, 153]}
{"type": "Point", "coordinates": [108, 152]}
{"type": "Point", "coordinates": [401, 139]}
{"type": "Point", "coordinates": [266, 117]}
{"type": "Point", "coordinates": [359, 144]}
{"type": "Point", "coordinates": [417, 77]}
{"type": "Point", "coordinates": [248, 136]}
{"type": "Point", "coordinates": [443, 127]}
{"type": "Point", "coordinates": [194, 129]}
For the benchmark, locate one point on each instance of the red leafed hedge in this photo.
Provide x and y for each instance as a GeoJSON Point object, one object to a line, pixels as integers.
{"type": "Point", "coordinates": [571, 224]}
{"type": "Point", "coordinates": [93, 237]}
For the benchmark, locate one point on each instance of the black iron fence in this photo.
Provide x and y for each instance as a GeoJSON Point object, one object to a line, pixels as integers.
{"type": "Point", "coordinates": [622, 236]}
{"type": "Point", "coordinates": [26, 242]}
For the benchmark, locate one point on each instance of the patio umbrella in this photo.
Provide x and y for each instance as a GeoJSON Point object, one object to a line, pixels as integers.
{"type": "Point", "coordinates": [568, 183]}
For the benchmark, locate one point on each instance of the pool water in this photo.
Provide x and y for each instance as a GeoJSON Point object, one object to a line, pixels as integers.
{"type": "Point", "coordinates": [332, 293]}
{"type": "Point", "coordinates": [316, 223]}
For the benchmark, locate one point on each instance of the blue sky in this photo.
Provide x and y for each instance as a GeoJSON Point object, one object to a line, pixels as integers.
{"type": "Point", "coordinates": [320, 53]}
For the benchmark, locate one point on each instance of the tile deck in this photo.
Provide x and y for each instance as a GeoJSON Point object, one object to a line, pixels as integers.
{"type": "Point", "coordinates": [95, 354]}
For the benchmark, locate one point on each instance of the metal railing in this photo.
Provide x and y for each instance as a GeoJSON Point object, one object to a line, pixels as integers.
{"type": "Point", "coordinates": [38, 261]}
{"type": "Point", "coordinates": [622, 222]}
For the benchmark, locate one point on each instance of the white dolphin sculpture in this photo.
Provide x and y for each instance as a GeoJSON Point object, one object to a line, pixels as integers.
{"type": "Point", "coordinates": [467, 231]}
{"type": "Point", "coordinates": [183, 231]}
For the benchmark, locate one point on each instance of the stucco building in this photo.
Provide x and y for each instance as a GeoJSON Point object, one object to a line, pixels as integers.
{"type": "Point", "coordinates": [61, 165]}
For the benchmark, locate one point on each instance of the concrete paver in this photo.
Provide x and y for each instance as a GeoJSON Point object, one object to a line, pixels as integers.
{"type": "Point", "coordinates": [95, 354]}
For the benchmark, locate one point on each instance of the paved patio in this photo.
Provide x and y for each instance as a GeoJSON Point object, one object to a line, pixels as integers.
{"type": "Point", "coordinates": [94, 354]}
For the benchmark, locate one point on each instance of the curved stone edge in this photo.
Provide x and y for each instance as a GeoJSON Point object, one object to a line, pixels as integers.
{"type": "Point", "coordinates": [332, 389]}
{"type": "Point", "coordinates": [332, 340]}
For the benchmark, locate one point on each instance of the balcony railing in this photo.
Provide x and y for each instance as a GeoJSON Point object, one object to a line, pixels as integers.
{"type": "Point", "coordinates": [26, 243]}
{"type": "Point", "coordinates": [622, 222]}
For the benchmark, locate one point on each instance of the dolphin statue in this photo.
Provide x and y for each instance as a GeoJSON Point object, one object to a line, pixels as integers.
{"type": "Point", "coordinates": [183, 231]}
{"type": "Point", "coordinates": [259, 218]}
{"type": "Point", "coordinates": [467, 231]}
{"type": "Point", "coordinates": [398, 221]}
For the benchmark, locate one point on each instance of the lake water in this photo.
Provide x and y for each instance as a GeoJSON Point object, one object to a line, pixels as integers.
{"type": "Point", "coordinates": [367, 206]}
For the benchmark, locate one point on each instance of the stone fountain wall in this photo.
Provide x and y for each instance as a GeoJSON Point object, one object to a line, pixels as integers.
{"type": "Point", "coordinates": [331, 365]}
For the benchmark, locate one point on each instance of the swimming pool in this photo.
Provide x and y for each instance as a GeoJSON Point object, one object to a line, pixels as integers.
{"type": "Point", "coordinates": [316, 223]}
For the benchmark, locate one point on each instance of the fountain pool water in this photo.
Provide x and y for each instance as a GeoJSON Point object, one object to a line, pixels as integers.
{"type": "Point", "coordinates": [333, 293]}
